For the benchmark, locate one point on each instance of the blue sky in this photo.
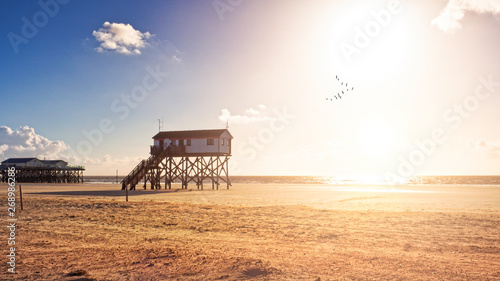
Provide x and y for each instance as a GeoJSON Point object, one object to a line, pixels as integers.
{"type": "Point", "coordinates": [259, 62]}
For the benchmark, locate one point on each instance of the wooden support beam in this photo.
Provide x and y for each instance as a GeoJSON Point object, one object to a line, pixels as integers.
{"type": "Point", "coordinates": [186, 169]}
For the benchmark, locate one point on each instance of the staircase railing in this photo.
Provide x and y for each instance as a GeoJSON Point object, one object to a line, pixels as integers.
{"type": "Point", "coordinates": [126, 180]}
{"type": "Point", "coordinates": [142, 168]}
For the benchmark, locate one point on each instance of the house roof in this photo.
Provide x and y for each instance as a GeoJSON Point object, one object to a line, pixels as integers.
{"type": "Point", "coordinates": [53, 161]}
{"type": "Point", "coordinates": [191, 134]}
{"type": "Point", "coordinates": [26, 160]}
{"type": "Point", "coordinates": [17, 160]}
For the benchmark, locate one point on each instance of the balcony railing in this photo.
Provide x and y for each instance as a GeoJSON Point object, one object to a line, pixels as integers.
{"type": "Point", "coordinates": [171, 150]}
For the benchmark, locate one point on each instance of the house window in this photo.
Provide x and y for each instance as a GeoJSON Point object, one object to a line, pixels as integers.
{"type": "Point", "coordinates": [210, 141]}
{"type": "Point", "coordinates": [222, 141]}
{"type": "Point", "coordinates": [188, 142]}
{"type": "Point", "coordinates": [181, 142]}
{"type": "Point", "coordinates": [173, 142]}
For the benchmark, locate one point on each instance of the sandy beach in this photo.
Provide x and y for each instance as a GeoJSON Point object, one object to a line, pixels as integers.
{"type": "Point", "coordinates": [257, 232]}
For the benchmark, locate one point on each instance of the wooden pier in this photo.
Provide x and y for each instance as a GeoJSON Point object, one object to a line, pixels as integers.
{"type": "Point", "coordinates": [32, 170]}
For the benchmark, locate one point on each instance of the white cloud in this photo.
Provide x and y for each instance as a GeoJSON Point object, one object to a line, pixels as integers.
{"type": "Point", "coordinates": [252, 111]}
{"type": "Point", "coordinates": [26, 143]}
{"type": "Point", "coordinates": [176, 58]}
{"type": "Point", "coordinates": [251, 116]}
{"type": "Point", "coordinates": [450, 16]}
{"type": "Point", "coordinates": [3, 148]}
{"type": "Point", "coordinates": [121, 38]}
{"type": "Point", "coordinates": [489, 148]}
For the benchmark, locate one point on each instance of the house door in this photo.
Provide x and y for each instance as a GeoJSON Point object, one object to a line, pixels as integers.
{"type": "Point", "coordinates": [182, 147]}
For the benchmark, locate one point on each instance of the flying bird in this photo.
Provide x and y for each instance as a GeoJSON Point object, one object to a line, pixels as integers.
{"type": "Point", "coordinates": [342, 92]}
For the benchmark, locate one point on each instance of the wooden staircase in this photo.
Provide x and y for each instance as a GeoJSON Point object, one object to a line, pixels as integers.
{"type": "Point", "coordinates": [142, 169]}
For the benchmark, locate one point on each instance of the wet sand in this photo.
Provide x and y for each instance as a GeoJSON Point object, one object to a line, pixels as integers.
{"type": "Point", "coordinates": [257, 232]}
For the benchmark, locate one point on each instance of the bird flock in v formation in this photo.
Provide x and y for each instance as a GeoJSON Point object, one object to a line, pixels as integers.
{"type": "Point", "coordinates": [338, 95]}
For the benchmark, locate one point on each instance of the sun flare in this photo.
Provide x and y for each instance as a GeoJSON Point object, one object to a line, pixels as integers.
{"type": "Point", "coordinates": [376, 137]}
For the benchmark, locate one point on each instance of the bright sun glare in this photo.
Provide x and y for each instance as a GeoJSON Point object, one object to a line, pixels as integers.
{"type": "Point", "coordinates": [376, 137]}
{"type": "Point", "coordinates": [385, 46]}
